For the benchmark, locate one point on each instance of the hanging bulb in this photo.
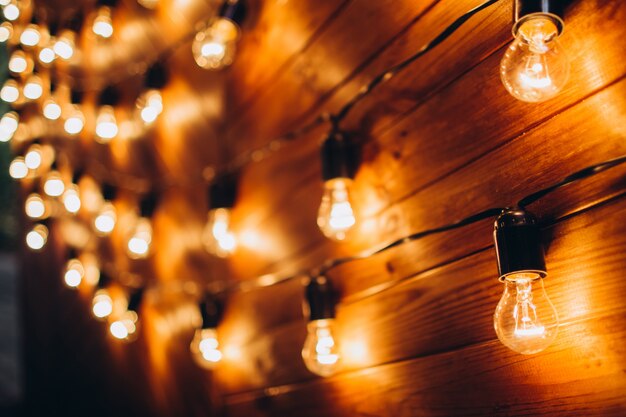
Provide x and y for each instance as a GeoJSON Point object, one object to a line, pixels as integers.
{"type": "Point", "coordinates": [35, 206]}
{"type": "Point", "coordinates": [125, 327]}
{"type": "Point", "coordinates": [75, 121]}
{"type": "Point", "coordinates": [51, 109]}
{"type": "Point", "coordinates": [105, 220]}
{"type": "Point", "coordinates": [71, 199]}
{"type": "Point", "coordinates": [148, 4]}
{"type": "Point", "coordinates": [8, 126]}
{"type": "Point", "coordinates": [36, 238]}
{"type": "Point", "coordinates": [53, 185]}
{"type": "Point", "coordinates": [74, 272]}
{"type": "Point", "coordinates": [102, 24]}
{"type": "Point", "coordinates": [10, 92]}
{"type": "Point", "coordinates": [106, 124]}
{"type": "Point", "coordinates": [18, 63]}
{"type": "Point", "coordinates": [30, 36]}
{"type": "Point", "coordinates": [102, 303]}
{"type": "Point", "coordinates": [150, 106]}
{"type": "Point", "coordinates": [11, 11]}
{"type": "Point", "coordinates": [215, 47]}
{"type": "Point", "coordinates": [33, 157]}
{"type": "Point", "coordinates": [65, 44]}
{"type": "Point", "coordinates": [205, 348]}
{"type": "Point", "coordinates": [218, 239]}
{"type": "Point", "coordinates": [525, 320]}
{"type": "Point", "coordinates": [6, 31]}
{"type": "Point", "coordinates": [138, 246]}
{"type": "Point", "coordinates": [535, 68]}
{"type": "Point", "coordinates": [46, 54]}
{"type": "Point", "coordinates": [33, 89]}
{"type": "Point", "coordinates": [18, 168]}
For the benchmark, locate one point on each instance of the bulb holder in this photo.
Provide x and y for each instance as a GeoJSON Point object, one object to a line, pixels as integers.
{"type": "Point", "coordinates": [108, 192]}
{"type": "Point", "coordinates": [109, 96]}
{"type": "Point", "coordinates": [340, 157]}
{"type": "Point", "coordinates": [76, 176]}
{"type": "Point", "coordinates": [75, 24]}
{"type": "Point", "coordinates": [72, 253]}
{"type": "Point", "coordinates": [134, 301]}
{"type": "Point", "coordinates": [156, 77]}
{"type": "Point", "coordinates": [76, 97]}
{"type": "Point", "coordinates": [104, 281]}
{"type": "Point", "coordinates": [518, 243]}
{"type": "Point", "coordinates": [148, 205]}
{"type": "Point", "coordinates": [212, 311]}
{"type": "Point", "coordinates": [320, 299]}
{"type": "Point", "coordinates": [525, 10]}
{"type": "Point", "coordinates": [234, 10]}
{"type": "Point", "coordinates": [223, 192]}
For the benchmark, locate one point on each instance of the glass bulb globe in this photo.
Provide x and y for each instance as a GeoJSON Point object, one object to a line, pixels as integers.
{"type": "Point", "coordinates": [102, 24]}
{"type": "Point", "coordinates": [9, 122]}
{"type": "Point", "coordinates": [74, 122]}
{"type": "Point", "coordinates": [138, 246]}
{"type": "Point", "coordinates": [36, 239]}
{"type": "Point", "coordinates": [47, 54]}
{"type": "Point", "coordinates": [102, 304]}
{"type": "Point", "coordinates": [106, 125]}
{"type": "Point", "coordinates": [525, 319]}
{"type": "Point", "coordinates": [74, 273]}
{"type": "Point", "coordinates": [6, 31]}
{"type": "Point", "coordinates": [51, 109]}
{"type": "Point", "coordinates": [335, 216]}
{"type": "Point", "coordinates": [18, 168]}
{"type": "Point", "coordinates": [217, 237]}
{"type": "Point", "coordinates": [205, 348]}
{"type": "Point", "coordinates": [34, 206]}
{"type": "Point", "coordinates": [33, 89]}
{"type": "Point", "coordinates": [125, 327]}
{"type": "Point", "coordinates": [11, 11]}
{"type": "Point", "coordinates": [30, 36]}
{"type": "Point", "coordinates": [215, 47]}
{"type": "Point", "coordinates": [71, 199]}
{"type": "Point", "coordinates": [54, 185]}
{"type": "Point", "coordinates": [33, 157]}
{"type": "Point", "coordinates": [535, 68]}
{"type": "Point", "coordinates": [64, 45]}
{"type": "Point", "coordinates": [18, 62]}
{"type": "Point", "coordinates": [150, 106]}
{"type": "Point", "coordinates": [105, 220]}
{"type": "Point", "coordinates": [10, 92]}
{"type": "Point", "coordinates": [320, 351]}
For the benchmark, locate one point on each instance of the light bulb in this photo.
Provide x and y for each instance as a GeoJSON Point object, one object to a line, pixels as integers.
{"type": "Point", "coordinates": [335, 216]}
{"type": "Point", "coordinates": [106, 125]}
{"type": "Point", "coordinates": [30, 36]}
{"type": "Point", "coordinates": [125, 327]}
{"type": "Point", "coordinates": [33, 157]}
{"type": "Point", "coordinates": [51, 109]}
{"type": "Point", "coordinates": [18, 62]}
{"type": "Point", "coordinates": [34, 206]}
{"type": "Point", "coordinates": [535, 68]}
{"type": "Point", "coordinates": [148, 4]}
{"type": "Point", "coordinates": [102, 304]}
{"type": "Point", "coordinates": [215, 47]}
{"type": "Point", "coordinates": [53, 185]}
{"type": "Point", "coordinates": [217, 237]}
{"type": "Point", "coordinates": [71, 199]}
{"type": "Point", "coordinates": [320, 351]}
{"type": "Point", "coordinates": [205, 348]}
{"type": "Point", "coordinates": [11, 11]}
{"type": "Point", "coordinates": [18, 168]}
{"type": "Point", "coordinates": [47, 54]}
{"type": "Point", "coordinates": [64, 45]}
{"type": "Point", "coordinates": [36, 239]}
{"type": "Point", "coordinates": [105, 220]}
{"type": "Point", "coordinates": [8, 125]}
{"type": "Point", "coordinates": [74, 273]}
{"type": "Point", "coordinates": [6, 31]}
{"type": "Point", "coordinates": [525, 319]}
{"type": "Point", "coordinates": [10, 92]}
{"type": "Point", "coordinates": [75, 121]}
{"type": "Point", "coordinates": [102, 25]}
{"type": "Point", "coordinates": [138, 246]}
{"type": "Point", "coordinates": [33, 89]}
{"type": "Point", "coordinates": [150, 106]}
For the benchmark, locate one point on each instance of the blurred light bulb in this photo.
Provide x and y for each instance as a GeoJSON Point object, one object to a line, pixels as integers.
{"type": "Point", "coordinates": [34, 206]}
{"type": "Point", "coordinates": [33, 157]}
{"type": "Point", "coordinates": [105, 220]}
{"type": "Point", "coordinates": [125, 327]}
{"type": "Point", "coordinates": [535, 68]}
{"type": "Point", "coordinates": [36, 239]}
{"type": "Point", "coordinates": [47, 54]}
{"type": "Point", "coordinates": [51, 109]}
{"type": "Point", "coordinates": [33, 89]}
{"type": "Point", "coordinates": [150, 105]}
{"type": "Point", "coordinates": [205, 348]}
{"type": "Point", "coordinates": [148, 4]}
{"type": "Point", "coordinates": [74, 122]}
{"type": "Point", "coordinates": [218, 239]}
{"type": "Point", "coordinates": [6, 31]}
{"type": "Point", "coordinates": [30, 36]}
{"type": "Point", "coordinates": [102, 25]}
{"type": "Point", "coordinates": [10, 92]}
{"type": "Point", "coordinates": [74, 273]}
{"type": "Point", "coordinates": [102, 304]}
{"type": "Point", "coordinates": [64, 45]}
{"type": "Point", "coordinates": [18, 62]}
{"type": "Point", "coordinates": [8, 125]}
{"type": "Point", "coordinates": [215, 47]}
{"type": "Point", "coordinates": [106, 125]}
{"type": "Point", "coordinates": [525, 319]}
{"type": "Point", "coordinates": [71, 199]}
{"type": "Point", "coordinates": [18, 168]}
{"type": "Point", "coordinates": [4, 2]}
{"type": "Point", "coordinates": [141, 237]}
{"type": "Point", "coordinates": [11, 11]}
{"type": "Point", "coordinates": [320, 352]}
{"type": "Point", "coordinates": [335, 216]}
{"type": "Point", "coordinates": [54, 185]}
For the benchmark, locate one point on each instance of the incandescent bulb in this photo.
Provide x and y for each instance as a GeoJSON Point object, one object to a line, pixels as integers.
{"type": "Point", "coordinates": [47, 54]}
{"type": "Point", "coordinates": [34, 206]}
{"type": "Point", "coordinates": [150, 105]}
{"type": "Point", "coordinates": [525, 319]}
{"type": "Point", "coordinates": [10, 92]}
{"type": "Point", "coordinates": [320, 351]}
{"type": "Point", "coordinates": [11, 11]}
{"type": "Point", "coordinates": [335, 216]}
{"type": "Point", "coordinates": [18, 168]}
{"type": "Point", "coordinates": [105, 220]}
{"type": "Point", "coordinates": [205, 348]}
{"type": "Point", "coordinates": [125, 327]}
{"type": "Point", "coordinates": [54, 185]}
{"type": "Point", "coordinates": [36, 239]}
{"type": "Point", "coordinates": [6, 31]}
{"type": "Point", "coordinates": [535, 67]}
{"type": "Point", "coordinates": [217, 237]}
{"type": "Point", "coordinates": [33, 157]}
{"type": "Point", "coordinates": [138, 245]}
{"type": "Point", "coordinates": [148, 4]}
{"type": "Point", "coordinates": [106, 125]}
{"type": "Point", "coordinates": [64, 45]}
{"type": "Point", "coordinates": [75, 121]}
{"type": "Point", "coordinates": [74, 273]}
{"type": "Point", "coordinates": [33, 89]}
{"type": "Point", "coordinates": [51, 109]}
{"type": "Point", "coordinates": [18, 62]}
{"type": "Point", "coordinates": [8, 125]}
{"type": "Point", "coordinates": [30, 36]}
{"type": "Point", "coordinates": [102, 25]}
{"type": "Point", "coordinates": [102, 304]}
{"type": "Point", "coordinates": [71, 199]}
{"type": "Point", "coordinates": [215, 47]}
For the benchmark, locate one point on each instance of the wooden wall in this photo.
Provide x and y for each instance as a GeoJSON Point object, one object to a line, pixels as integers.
{"type": "Point", "coordinates": [442, 140]}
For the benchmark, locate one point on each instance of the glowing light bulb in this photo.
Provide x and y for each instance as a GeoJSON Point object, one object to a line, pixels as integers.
{"type": "Point", "coordinates": [535, 68]}
{"type": "Point", "coordinates": [11, 11]}
{"type": "Point", "coordinates": [320, 351]}
{"type": "Point", "coordinates": [47, 54]}
{"type": "Point", "coordinates": [6, 31]}
{"type": "Point", "coordinates": [71, 199]}
{"type": "Point", "coordinates": [150, 105]}
{"type": "Point", "coordinates": [18, 62]}
{"type": "Point", "coordinates": [74, 273]}
{"type": "Point", "coordinates": [18, 168]}
{"type": "Point", "coordinates": [54, 185]}
{"type": "Point", "coordinates": [33, 157]}
{"type": "Point", "coordinates": [125, 327]}
{"type": "Point", "coordinates": [102, 304]}
{"type": "Point", "coordinates": [106, 125]}
{"type": "Point", "coordinates": [10, 92]}
{"type": "Point", "coordinates": [205, 348]}
{"type": "Point", "coordinates": [30, 36]}
{"type": "Point", "coordinates": [51, 109]}
{"type": "Point", "coordinates": [215, 47]}
{"type": "Point", "coordinates": [34, 206]}
{"type": "Point", "coordinates": [138, 246]}
{"type": "Point", "coordinates": [106, 219]}
{"type": "Point", "coordinates": [8, 125]}
{"type": "Point", "coordinates": [36, 238]}
{"type": "Point", "coordinates": [525, 319]}
{"type": "Point", "coordinates": [64, 45]}
{"type": "Point", "coordinates": [335, 216]}
{"type": "Point", "coordinates": [33, 89]}
{"type": "Point", "coordinates": [74, 122]}
{"type": "Point", "coordinates": [148, 4]}
{"type": "Point", "coordinates": [217, 237]}
{"type": "Point", "coordinates": [102, 25]}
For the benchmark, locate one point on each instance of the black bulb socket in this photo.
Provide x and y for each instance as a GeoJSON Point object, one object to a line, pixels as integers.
{"type": "Point", "coordinates": [233, 10]}
{"type": "Point", "coordinates": [108, 192]}
{"type": "Point", "coordinates": [212, 311]}
{"type": "Point", "coordinates": [156, 77]}
{"type": "Point", "coordinates": [320, 299]}
{"type": "Point", "coordinates": [518, 244]}
{"type": "Point", "coordinates": [340, 157]}
{"type": "Point", "coordinates": [76, 97]}
{"type": "Point", "coordinates": [223, 192]}
{"type": "Point", "coordinates": [525, 10]}
{"type": "Point", "coordinates": [134, 301]}
{"type": "Point", "coordinates": [109, 96]}
{"type": "Point", "coordinates": [148, 205]}
{"type": "Point", "coordinates": [104, 281]}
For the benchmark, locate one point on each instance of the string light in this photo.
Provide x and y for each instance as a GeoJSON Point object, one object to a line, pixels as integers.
{"type": "Point", "coordinates": [37, 237]}
{"type": "Point", "coordinates": [35, 206]}
{"type": "Point", "coordinates": [217, 237]}
{"type": "Point", "coordinates": [18, 168]}
{"type": "Point", "coordinates": [71, 195]}
{"type": "Point", "coordinates": [102, 303]}
{"type": "Point", "coordinates": [33, 89]}
{"type": "Point", "coordinates": [148, 4]}
{"type": "Point", "coordinates": [205, 344]}
{"type": "Point", "coordinates": [8, 125]}
{"type": "Point", "coordinates": [10, 92]}
{"type": "Point", "coordinates": [106, 124]}
{"type": "Point", "coordinates": [106, 217]}
{"type": "Point", "coordinates": [150, 102]}
{"type": "Point", "coordinates": [31, 35]}
{"type": "Point", "coordinates": [125, 327]}
{"type": "Point", "coordinates": [74, 119]}
{"type": "Point", "coordinates": [6, 31]}
{"type": "Point", "coordinates": [74, 271]}
{"type": "Point", "coordinates": [18, 63]}
{"type": "Point", "coordinates": [102, 24]}
{"type": "Point", "coordinates": [139, 242]}
{"type": "Point", "coordinates": [33, 157]}
{"type": "Point", "coordinates": [64, 44]}
{"type": "Point", "coordinates": [53, 185]}
{"type": "Point", "coordinates": [46, 54]}
{"type": "Point", "coordinates": [11, 11]}
{"type": "Point", "coordinates": [534, 67]}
